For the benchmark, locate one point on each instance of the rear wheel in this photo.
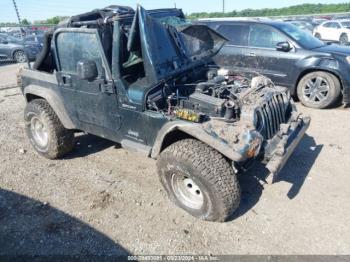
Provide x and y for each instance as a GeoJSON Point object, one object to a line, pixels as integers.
{"type": "Point", "coordinates": [343, 40]}
{"type": "Point", "coordinates": [20, 56]}
{"type": "Point", "coordinates": [319, 90]}
{"type": "Point", "coordinates": [46, 132]}
{"type": "Point", "coordinates": [317, 35]}
{"type": "Point", "coordinates": [199, 180]}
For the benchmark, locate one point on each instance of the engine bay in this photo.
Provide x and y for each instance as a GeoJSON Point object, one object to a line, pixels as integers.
{"type": "Point", "coordinates": [203, 94]}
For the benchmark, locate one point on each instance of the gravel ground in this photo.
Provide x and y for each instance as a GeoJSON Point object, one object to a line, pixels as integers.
{"type": "Point", "coordinates": [102, 199]}
{"type": "Point", "coordinates": [7, 74]}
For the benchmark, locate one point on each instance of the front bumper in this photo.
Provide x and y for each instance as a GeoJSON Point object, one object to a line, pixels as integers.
{"type": "Point", "coordinates": [281, 147]}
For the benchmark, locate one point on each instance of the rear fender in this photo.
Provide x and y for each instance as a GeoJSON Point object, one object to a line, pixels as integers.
{"type": "Point", "coordinates": [54, 101]}
{"type": "Point", "coordinates": [313, 64]}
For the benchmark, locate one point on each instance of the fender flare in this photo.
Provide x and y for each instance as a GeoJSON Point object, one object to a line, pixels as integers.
{"type": "Point", "coordinates": [54, 101]}
{"type": "Point", "coordinates": [196, 131]}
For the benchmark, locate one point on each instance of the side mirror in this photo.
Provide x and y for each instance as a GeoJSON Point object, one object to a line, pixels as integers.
{"type": "Point", "coordinates": [87, 70]}
{"type": "Point", "coordinates": [283, 46]}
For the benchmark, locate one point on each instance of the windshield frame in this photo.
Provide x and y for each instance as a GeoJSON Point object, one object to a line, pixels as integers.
{"type": "Point", "coordinates": [282, 28]}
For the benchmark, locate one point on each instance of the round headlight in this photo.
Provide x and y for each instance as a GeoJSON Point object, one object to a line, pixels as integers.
{"type": "Point", "coordinates": [252, 144]}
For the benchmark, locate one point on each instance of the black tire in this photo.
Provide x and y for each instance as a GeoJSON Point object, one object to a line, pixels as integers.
{"type": "Point", "coordinates": [317, 35]}
{"type": "Point", "coordinates": [343, 39]}
{"type": "Point", "coordinates": [329, 97]}
{"type": "Point", "coordinates": [20, 56]}
{"type": "Point", "coordinates": [208, 170]}
{"type": "Point", "coordinates": [60, 140]}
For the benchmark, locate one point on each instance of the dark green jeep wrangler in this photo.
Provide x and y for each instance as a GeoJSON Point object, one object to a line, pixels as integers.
{"type": "Point", "coordinates": [146, 80]}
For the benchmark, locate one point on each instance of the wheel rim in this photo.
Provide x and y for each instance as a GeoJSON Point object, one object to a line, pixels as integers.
{"type": "Point", "coordinates": [39, 132]}
{"type": "Point", "coordinates": [20, 57]}
{"type": "Point", "coordinates": [187, 191]}
{"type": "Point", "coordinates": [316, 90]}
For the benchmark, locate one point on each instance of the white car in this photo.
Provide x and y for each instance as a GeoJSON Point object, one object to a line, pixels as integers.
{"type": "Point", "coordinates": [337, 30]}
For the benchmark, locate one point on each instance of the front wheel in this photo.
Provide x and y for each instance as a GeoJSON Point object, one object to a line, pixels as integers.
{"type": "Point", "coordinates": [343, 40]}
{"type": "Point", "coordinates": [46, 132]}
{"type": "Point", "coordinates": [199, 180]}
{"type": "Point", "coordinates": [20, 56]}
{"type": "Point", "coordinates": [319, 90]}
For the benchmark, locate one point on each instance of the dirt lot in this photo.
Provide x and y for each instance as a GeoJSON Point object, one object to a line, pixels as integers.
{"type": "Point", "coordinates": [102, 199]}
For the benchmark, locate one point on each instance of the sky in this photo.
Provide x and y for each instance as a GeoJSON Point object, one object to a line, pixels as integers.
{"type": "Point", "coordinates": [42, 9]}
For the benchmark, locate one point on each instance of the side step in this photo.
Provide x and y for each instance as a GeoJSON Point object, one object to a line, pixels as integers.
{"type": "Point", "coordinates": [136, 147]}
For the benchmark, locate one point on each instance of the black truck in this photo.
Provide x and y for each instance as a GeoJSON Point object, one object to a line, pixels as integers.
{"type": "Point", "coordinates": [146, 80]}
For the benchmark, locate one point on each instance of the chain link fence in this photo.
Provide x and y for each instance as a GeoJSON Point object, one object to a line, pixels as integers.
{"type": "Point", "coordinates": [19, 46]}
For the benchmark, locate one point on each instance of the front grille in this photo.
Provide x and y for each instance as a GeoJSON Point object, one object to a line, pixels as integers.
{"type": "Point", "coordinates": [272, 114]}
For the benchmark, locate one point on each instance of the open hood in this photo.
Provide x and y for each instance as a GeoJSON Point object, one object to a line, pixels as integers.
{"type": "Point", "coordinates": [200, 41]}
{"type": "Point", "coordinates": [167, 50]}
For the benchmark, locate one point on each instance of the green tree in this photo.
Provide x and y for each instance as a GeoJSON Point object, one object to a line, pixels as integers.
{"type": "Point", "coordinates": [285, 11]}
{"type": "Point", "coordinates": [25, 21]}
{"type": "Point", "coordinates": [53, 21]}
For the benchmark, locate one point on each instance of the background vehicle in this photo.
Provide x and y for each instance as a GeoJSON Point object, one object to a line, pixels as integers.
{"type": "Point", "coordinates": [335, 30]}
{"type": "Point", "coordinates": [341, 17]}
{"type": "Point", "coordinates": [14, 49]}
{"type": "Point", "coordinates": [154, 90]}
{"type": "Point", "coordinates": [314, 72]}
{"type": "Point", "coordinates": [318, 21]}
{"type": "Point", "coordinates": [303, 25]}
{"type": "Point", "coordinates": [39, 39]}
